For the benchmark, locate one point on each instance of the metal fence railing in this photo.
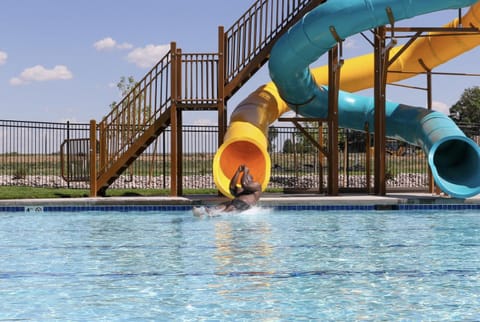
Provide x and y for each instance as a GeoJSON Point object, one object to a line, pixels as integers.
{"type": "Point", "coordinates": [255, 29]}
{"type": "Point", "coordinates": [41, 154]}
{"type": "Point", "coordinates": [199, 79]}
{"type": "Point", "coordinates": [297, 164]}
{"type": "Point", "coordinates": [30, 152]}
{"type": "Point", "coordinates": [248, 41]}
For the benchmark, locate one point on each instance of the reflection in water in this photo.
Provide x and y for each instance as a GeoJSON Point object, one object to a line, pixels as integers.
{"type": "Point", "coordinates": [245, 251]}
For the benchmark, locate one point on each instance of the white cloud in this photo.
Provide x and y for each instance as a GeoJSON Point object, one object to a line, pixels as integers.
{"type": "Point", "coordinates": [105, 43]}
{"type": "Point", "coordinates": [3, 57]}
{"type": "Point", "coordinates": [109, 43]}
{"type": "Point", "coordinates": [203, 122]}
{"type": "Point", "coordinates": [441, 107]}
{"type": "Point", "coordinates": [68, 119]}
{"type": "Point", "coordinates": [125, 45]}
{"type": "Point", "coordinates": [350, 43]}
{"type": "Point", "coordinates": [147, 56]}
{"type": "Point", "coordinates": [39, 74]}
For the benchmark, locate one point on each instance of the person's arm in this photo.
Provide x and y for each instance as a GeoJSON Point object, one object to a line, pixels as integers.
{"type": "Point", "coordinates": [233, 182]}
{"type": "Point", "coordinates": [248, 183]}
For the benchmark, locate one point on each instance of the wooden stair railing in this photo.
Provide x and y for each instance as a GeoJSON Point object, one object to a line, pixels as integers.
{"type": "Point", "coordinates": [188, 82]}
{"type": "Point", "coordinates": [134, 122]}
{"type": "Point", "coordinates": [135, 149]}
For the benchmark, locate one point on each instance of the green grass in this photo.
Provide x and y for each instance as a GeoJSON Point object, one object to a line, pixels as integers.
{"type": "Point", "coordinates": [14, 192]}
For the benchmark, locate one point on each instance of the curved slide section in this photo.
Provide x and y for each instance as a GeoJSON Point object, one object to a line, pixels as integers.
{"type": "Point", "coordinates": [452, 156]}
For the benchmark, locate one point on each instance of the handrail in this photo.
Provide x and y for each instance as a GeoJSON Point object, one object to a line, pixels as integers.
{"type": "Point", "coordinates": [149, 98]}
{"type": "Point", "coordinates": [253, 31]}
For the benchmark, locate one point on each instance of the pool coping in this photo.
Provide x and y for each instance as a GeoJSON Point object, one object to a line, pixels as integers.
{"type": "Point", "coordinates": [394, 201]}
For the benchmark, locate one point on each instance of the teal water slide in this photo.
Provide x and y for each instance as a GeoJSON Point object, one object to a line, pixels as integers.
{"type": "Point", "coordinates": [453, 158]}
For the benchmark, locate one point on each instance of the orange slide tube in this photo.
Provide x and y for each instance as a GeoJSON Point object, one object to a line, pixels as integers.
{"type": "Point", "coordinates": [246, 139]}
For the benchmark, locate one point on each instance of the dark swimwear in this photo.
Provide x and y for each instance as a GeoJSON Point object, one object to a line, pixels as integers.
{"type": "Point", "coordinates": [240, 204]}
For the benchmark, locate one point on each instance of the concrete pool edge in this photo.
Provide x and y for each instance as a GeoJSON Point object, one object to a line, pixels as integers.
{"type": "Point", "coordinates": [344, 201]}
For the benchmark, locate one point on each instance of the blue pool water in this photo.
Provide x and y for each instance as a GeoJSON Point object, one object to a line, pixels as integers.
{"type": "Point", "coordinates": [266, 265]}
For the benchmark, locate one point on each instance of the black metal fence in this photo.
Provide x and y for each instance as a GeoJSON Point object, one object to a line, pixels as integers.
{"type": "Point", "coordinates": [30, 152]}
{"type": "Point", "coordinates": [41, 154]}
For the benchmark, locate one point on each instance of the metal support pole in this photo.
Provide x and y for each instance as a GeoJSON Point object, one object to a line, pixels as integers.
{"type": "Point", "coordinates": [368, 158]}
{"type": "Point", "coordinates": [93, 158]}
{"type": "Point", "coordinates": [320, 157]}
{"type": "Point", "coordinates": [68, 155]}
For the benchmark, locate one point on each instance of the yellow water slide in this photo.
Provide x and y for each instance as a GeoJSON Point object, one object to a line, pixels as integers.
{"type": "Point", "coordinates": [246, 138]}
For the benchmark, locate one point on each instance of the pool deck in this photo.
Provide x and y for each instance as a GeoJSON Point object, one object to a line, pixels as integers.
{"type": "Point", "coordinates": [267, 199]}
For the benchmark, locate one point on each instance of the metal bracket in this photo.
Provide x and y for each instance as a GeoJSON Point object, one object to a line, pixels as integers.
{"type": "Point", "coordinates": [391, 19]}
{"type": "Point", "coordinates": [340, 41]}
{"type": "Point", "coordinates": [334, 33]}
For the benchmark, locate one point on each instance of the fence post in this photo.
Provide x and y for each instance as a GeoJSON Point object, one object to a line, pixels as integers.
{"type": "Point", "coordinates": [93, 158]}
{"type": "Point", "coordinates": [368, 158]}
{"type": "Point", "coordinates": [68, 154]}
{"type": "Point", "coordinates": [320, 157]}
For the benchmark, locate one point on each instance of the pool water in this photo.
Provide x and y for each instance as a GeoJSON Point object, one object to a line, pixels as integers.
{"type": "Point", "coordinates": [265, 265]}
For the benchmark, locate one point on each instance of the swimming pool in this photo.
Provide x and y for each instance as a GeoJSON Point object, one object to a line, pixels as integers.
{"type": "Point", "coordinates": [265, 265]}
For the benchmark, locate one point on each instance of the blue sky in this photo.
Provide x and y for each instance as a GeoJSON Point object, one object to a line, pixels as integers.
{"type": "Point", "coordinates": [60, 60]}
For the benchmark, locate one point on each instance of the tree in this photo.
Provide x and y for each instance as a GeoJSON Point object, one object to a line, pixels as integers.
{"type": "Point", "coordinates": [125, 85]}
{"type": "Point", "coordinates": [304, 145]}
{"type": "Point", "coordinates": [272, 135]}
{"type": "Point", "coordinates": [467, 109]}
{"type": "Point", "coordinates": [128, 87]}
{"type": "Point", "coordinates": [288, 146]}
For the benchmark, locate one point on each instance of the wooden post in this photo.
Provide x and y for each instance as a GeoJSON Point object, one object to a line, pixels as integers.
{"type": "Point", "coordinates": [221, 104]}
{"type": "Point", "coordinates": [333, 87]}
{"type": "Point", "coordinates": [174, 123]}
{"type": "Point", "coordinates": [93, 158]}
{"type": "Point", "coordinates": [179, 125]}
{"type": "Point", "coordinates": [380, 56]}
{"type": "Point", "coordinates": [431, 182]}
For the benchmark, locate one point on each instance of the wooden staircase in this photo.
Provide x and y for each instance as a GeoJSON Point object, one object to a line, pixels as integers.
{"type": "Point", "coordinates": [179, 81]}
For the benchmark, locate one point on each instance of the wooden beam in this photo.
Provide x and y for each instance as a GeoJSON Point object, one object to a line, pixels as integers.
{"type": "Point", "coordinates": [221, 108]}
{"type": "Point", "coordinates": [333, 89]}
{"type": "Point", "coordinates": [174, 122]}
{"type": "Point", "coordinates": [380, 58]}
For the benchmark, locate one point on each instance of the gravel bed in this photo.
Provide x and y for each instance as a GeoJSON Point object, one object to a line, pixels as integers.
{"type": "Point", "coordinates": [404, 180]}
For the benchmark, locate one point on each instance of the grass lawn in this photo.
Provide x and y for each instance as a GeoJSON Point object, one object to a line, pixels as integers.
{"type": "Point", "coordinates": [15, 192]}
{"type": "Point", "coordinates": [21, 192]}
